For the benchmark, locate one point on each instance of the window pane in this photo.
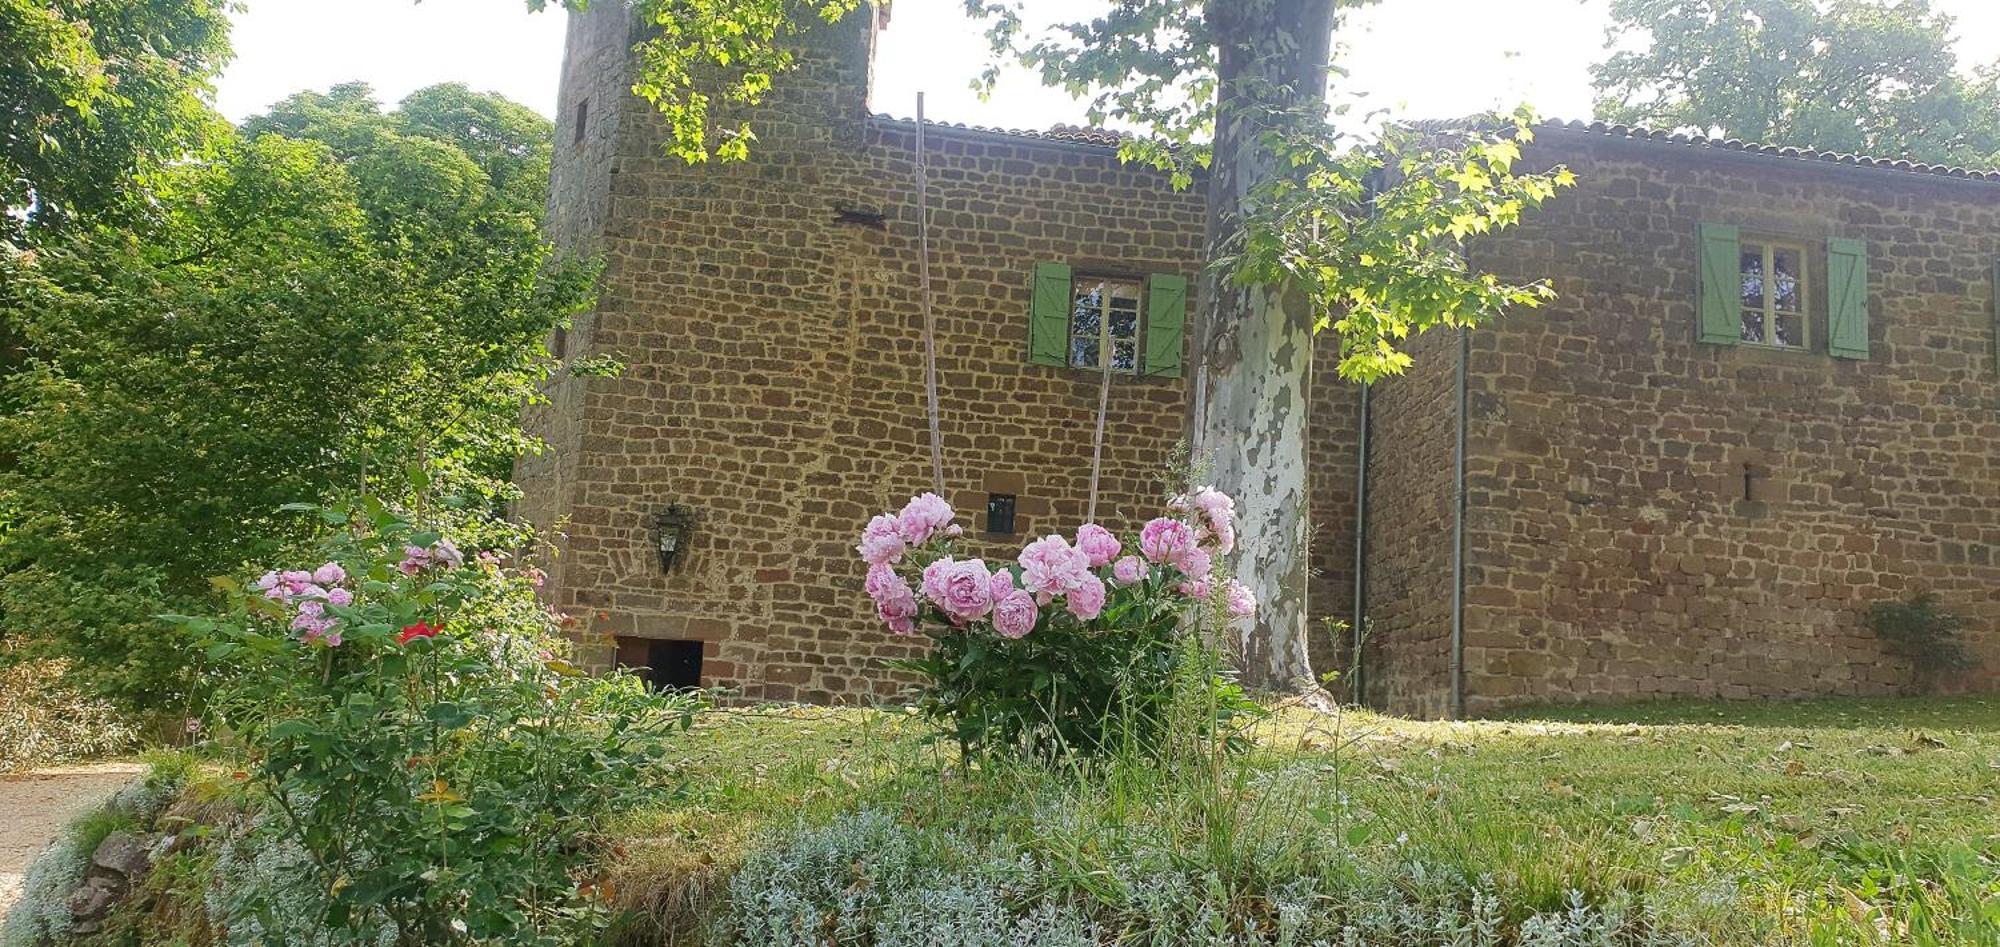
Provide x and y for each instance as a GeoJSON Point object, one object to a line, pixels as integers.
{"type": "Point", "coordinates": [1124, 356]}
{"type": "Point", "coordinates": [1086, 325]}
{"type": "Point", "coordinates": [1753, 325]}
{"type": "Point", "coordinates": [1785, 280]}
{"type": "Point", "coordinates": [1124, 318]}
{"type": "Point", "coordinates": [1753, 277]}
{"type": "Point", "coordinates": [1083, 353]}
{"type": "Point", "coordinates": [1791, 329]}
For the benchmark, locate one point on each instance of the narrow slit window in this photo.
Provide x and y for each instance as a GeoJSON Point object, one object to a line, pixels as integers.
{"type": "Point", "coordinates": [582, 120]}
{"type": "Point", "coordinates": [1774, 294]}
{"type": "Point", "coordinates": [1104, 317]}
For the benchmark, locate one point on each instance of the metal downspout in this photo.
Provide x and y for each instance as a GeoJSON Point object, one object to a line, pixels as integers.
{"type": "Point", "coordinates": [1360, 553]}
{"type": "Point", "coordinates": [1458, 541]}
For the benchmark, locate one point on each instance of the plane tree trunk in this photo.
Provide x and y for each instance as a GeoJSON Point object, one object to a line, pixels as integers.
{"type": "Point", "coordinates": [1254, 352]}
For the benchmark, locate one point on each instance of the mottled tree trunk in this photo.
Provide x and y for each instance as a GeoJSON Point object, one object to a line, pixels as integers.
{"type": "Point", "coordinates": [1254, 361]}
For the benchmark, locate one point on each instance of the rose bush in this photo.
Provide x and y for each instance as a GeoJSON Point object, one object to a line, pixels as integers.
{"type": "Point", "coordinates": [408, 721]}
{"type": "Point", "coordinates": [1081, 645]}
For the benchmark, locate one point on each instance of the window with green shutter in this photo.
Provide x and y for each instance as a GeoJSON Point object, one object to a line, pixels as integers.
{"type": "Point", "coordinates": [1048, 319]}
{"type": "Point", "coordinates": [1847, 298]}
{"type": "Point", "coordinates": [1721, 288]}
{"type": "Point", "coordinates": [1166, 324]}
{"type": "Point", "coordinates": [1080, 321]}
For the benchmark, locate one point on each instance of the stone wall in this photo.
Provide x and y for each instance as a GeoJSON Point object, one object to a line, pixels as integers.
{"type": "Point", "coordinates": [1614, 553]}
{"type": "Point", "coordinates": [774, 381]}
{"type": "Point", "coordinates": [1413, 440]}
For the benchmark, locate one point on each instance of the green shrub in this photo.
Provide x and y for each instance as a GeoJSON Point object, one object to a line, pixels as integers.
{"type": "Point", "coordinates": [1924, 633]}
{"type": "Point", "coordinates": [44, 721]}
{"type": "Point", "coordinates": [871, 879]}
{"type": "Point", "coordinates": [430, 769]}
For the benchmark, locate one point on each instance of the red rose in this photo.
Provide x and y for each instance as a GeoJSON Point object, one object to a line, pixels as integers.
{"type": "Point", "coordinates": [418, 630]}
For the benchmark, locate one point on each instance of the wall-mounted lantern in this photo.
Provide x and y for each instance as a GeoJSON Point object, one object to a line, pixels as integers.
{"type": "Point", "coordinates": [671, 530]}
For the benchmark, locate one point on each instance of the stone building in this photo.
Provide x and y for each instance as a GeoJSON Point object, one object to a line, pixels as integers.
{"type": "Point", "coordinates": [1766, 398]}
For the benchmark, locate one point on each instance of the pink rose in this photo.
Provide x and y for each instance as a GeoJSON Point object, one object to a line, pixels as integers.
{"type": "Point", "coordinates": [1239, 600]}
{"type": "Point", "coordinates": [1130, 570]}
{"type": "Point", "coordinates": [925, 514]}
{"type": "Point", "coordinates": [1015, 615]}
{"type": "Point", "coordinates": [1097, 544]}
{"type": "Point", "coordinates": [1164, 539]}
{"type": "Point", "coordinates": [329, 574]}
{"type": "Point", "coordinates": [1195, 561]}
{"type": "Point", "coordinates": [1086, 601]}
{"type": "Point", "coordinates": [881, 541]}
{"type": "Point", "coordinates": [341, 597]}
{"type": "Point", "coordinates": [1198, 588]}
{"type": "Point", "coordinates": [1219, 512]}
{"type": "Point", "coordinates": [1051, 566]}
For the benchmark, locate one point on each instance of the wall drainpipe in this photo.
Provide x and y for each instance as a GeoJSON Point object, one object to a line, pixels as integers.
{"type": "Point", "coordinates": [1458, 542]}
{"type": "Point", "coordinates": [1360, 617]}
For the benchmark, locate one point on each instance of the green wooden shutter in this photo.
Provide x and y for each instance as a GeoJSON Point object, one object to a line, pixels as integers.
{"type": "Point", "coordinates": [1847, 298]}
{"type": "Point", "coordinates": [1166, 323]}
{"type": "Point", "coordinates": [1721, 284]}
{"type": "Point", "coordinates": [1048, 320]}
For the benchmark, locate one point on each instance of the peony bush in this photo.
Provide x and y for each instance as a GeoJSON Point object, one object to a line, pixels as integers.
{"type": "Point", "coordinates": [410, 729]}
{"type": "Point", "coordinates": [1080, 645]}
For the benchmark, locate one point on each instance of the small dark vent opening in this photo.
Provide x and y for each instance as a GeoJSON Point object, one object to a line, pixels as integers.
{"type": "Point", "coordinates": [582, 120]}
{"type": "Point", "coordinates": [861, 217]}
{"type": "Point", "coordinates": [1000, 514]}
{"type": "Point", "coordinates": [665, 664]}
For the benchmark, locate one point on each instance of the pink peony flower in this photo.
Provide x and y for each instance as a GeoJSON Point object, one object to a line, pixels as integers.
{"type": "Point", "coordinates": [340, 597]}
{"type": "Point", "coordinates": [1051, 566]}
{"type": "Point", "coordinates": [1164, 539]}
{"type": "Point", "coordinates": [882, 581]}
{"type": "Point", "coordinates": [329, 574]}
{"type": "Point", "coordinates": [1015, 615]}
{"type": "Point", "coordinates": [882, 541]}
{"type": "Point", "coordinates": [1097, 544]}
{"type": "Point", "coordinates": [962, 590]}
{"type": "Point", "coordinates": [1198, 588]}
{"type": "Point", "coordinates": [1219, 513]}
{"type": "Point", "coordinates": [925, 514]}
{"type": "Point", "coordinates": [898, 609]}
{"type": "Point", "coordinates": [1002, 584]}
{"type": "Point", "coordinates": [1130, 570]}
{"type": "Point", "coordinates": [1239, 600]}
{"type": "Point", "coordinates": [1086, 600]}
{"type": "Point", "coordinates": [1195, 561]}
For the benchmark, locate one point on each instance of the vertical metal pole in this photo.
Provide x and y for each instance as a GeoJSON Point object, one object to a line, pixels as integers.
{"type": "Point", "coordinates": [924, 294]}
{"type": "Point", "coordinates": [1458, 542]}
{"type": "Point", "coordinates": [1360, 551]}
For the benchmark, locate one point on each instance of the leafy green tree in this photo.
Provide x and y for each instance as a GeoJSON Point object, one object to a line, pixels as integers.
{"type": "Point", "coordinates": [1307, 231]}
{"type": "Point", "coordinates": [1857, 76]}
{"type": "Point", "coordinates": [361, 307]}
{"type": "Point", "coordinates": [97, 94]}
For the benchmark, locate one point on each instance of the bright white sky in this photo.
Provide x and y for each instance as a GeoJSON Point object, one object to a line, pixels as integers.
{"type": "Point", "coordinates": [1422, 58]}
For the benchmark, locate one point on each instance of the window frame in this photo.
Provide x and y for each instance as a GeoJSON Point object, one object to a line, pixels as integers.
{"type": "Point", "coordinates": [1081, 282]}
{"type": "Point", "coordinates": [1769, 246]}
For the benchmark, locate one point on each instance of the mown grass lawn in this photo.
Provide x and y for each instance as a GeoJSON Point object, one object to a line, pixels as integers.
{"type": "Point", "coordinates": [1828, 822]}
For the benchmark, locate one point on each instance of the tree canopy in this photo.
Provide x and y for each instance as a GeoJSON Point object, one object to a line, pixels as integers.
{"type": "Point", "coordinates": [1859, 76]}
{"type": "Point", "coordinates": [339, 300]}
{"type": "Point", "coordinates": [97, 94]}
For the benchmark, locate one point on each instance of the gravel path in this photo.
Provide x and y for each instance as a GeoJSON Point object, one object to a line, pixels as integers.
{"type": "Point", "coordinates": [35, 806]}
